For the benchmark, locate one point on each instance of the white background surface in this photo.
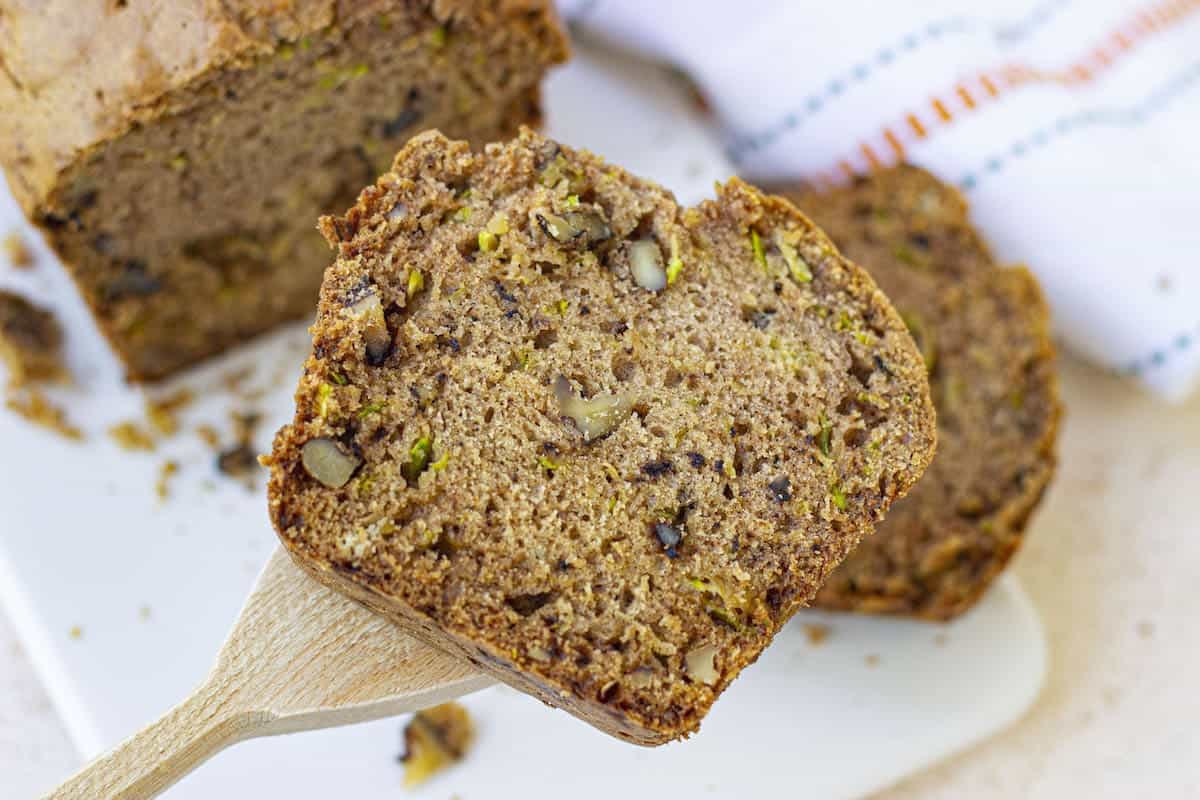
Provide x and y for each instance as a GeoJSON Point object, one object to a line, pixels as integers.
{"type": "Point", "coordinates": [87, 544]}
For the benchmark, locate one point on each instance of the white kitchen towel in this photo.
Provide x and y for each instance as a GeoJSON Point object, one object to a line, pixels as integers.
{"type": "Point", "coordinates": [1072, 126]}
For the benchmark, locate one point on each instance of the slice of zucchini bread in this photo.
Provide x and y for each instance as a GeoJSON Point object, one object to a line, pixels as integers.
{"type": "Point", "coordinates": [599, 445]}
{"type": "Point", "coordinates": [984, 332]}
{"type": "Point", "coordinates": [177, 155]}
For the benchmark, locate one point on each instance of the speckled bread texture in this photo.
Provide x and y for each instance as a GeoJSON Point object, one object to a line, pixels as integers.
{"type": "Point", "coordinates": [177, 154]}
{"type": "Point", "coordinates": [984, 331]}
{"type": "Point", "coordinates": [607, 495]}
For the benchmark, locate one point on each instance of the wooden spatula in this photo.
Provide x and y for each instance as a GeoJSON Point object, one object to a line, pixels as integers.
{"type": "Point", "coordinates": [299, 657]}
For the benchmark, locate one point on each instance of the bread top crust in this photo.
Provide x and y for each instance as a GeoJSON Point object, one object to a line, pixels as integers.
{"type": "Point", "coordinates": [609, 494]}
{"type": "Point", "coordinates": [77, 73]}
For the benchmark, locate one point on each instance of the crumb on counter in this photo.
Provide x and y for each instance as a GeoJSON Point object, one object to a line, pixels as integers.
{"type": "Point", "coordinates": [435, 739]}
{"type": "Point", "coordinates": [17, 251]}
{"type": "Point", "coordinates": [871, 660]}
{"type": "Point", "coordinates": [75, 632]}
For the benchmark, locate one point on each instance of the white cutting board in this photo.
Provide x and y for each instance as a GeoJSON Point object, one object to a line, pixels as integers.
{"type": "Point", "coordinates": [154, 586]}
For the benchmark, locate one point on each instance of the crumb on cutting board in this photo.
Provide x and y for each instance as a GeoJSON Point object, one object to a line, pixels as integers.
{"type": "Point", "coordinates": [32, 404]}
{"type": "Point", "coordinates": [30, 342]}
{"type": "Point", "coordinates": [817, 633]}
{"type": "Point", "coordinates": [129, 435]}
{"type": "Point", "coordinates": [240, 460]}
{"type": "Point", "coordinates": [31, 348]}
{"type": "Point", "coordinates": [163, 412]}
{"type": "Point", "coordinates": [17, 251]}
{"type": "Point", "coordinates": [435, 739]}
{"type": "Point", "coordinates": [162, 486]}
{"type": "Point", "coordinates": [209, 435]}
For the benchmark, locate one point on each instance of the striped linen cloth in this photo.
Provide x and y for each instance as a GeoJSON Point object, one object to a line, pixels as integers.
{"type": "Point", "coordinates": [1072, 126]}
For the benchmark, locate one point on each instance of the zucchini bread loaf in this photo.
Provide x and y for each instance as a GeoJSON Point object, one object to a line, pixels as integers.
{"type": "Point", "coordinates": [599, 445]}
{"type": "Point", "coordinates": [984, 332]}
{"type": "Point", "coordinates": [177, 154]}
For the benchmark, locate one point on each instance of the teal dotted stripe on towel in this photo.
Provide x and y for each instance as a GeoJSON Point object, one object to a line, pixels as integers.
{"type": "Point", "coordinates": [1158, 100]}
{"type": "Point", "coordinates": [746, 144]}
{"type": "Point", "coordinates": [1159, 356]}
{"type": "Point", "coordinates": [1039, 16]}
{"type": "Point", "coordinates": [814, 104]}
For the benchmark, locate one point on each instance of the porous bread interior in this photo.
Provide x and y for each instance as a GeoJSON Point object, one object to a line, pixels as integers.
{"type": "Point", "coordinates": [985, 331]}
{"type": "Point", "coordinates": [773, 421]}
{"type": "Point", "coordinates": [195, 231]}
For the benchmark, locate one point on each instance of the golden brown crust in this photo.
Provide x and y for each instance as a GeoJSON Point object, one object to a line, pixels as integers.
{"type": "Point", "coordinates": [985, 332]}
{"type": "Point", "coordinates": [601, 445]}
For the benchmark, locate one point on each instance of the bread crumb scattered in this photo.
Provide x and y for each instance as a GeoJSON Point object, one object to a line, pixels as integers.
{"type": "Point", "coordinates": [817, 633]}
{"type": "Point", "coordinates": [941, 639]}
{"type": "Point", "coordinates": [162, 487]}
{"type": "Point", "coordinates": [18, 253]}
{"type": "Point", "coordinates": [130, 436]}
{"type": "Point", "coordinates": [233, 380]}
{"type": "Point", "coordinates": [31, 347]}
{"type": "Point", "coordinates": [162, 413]}
{"type": "Point", "coordinates": [240, 459]}
{"type": "Point", "coordinates": [144, 613]}
{"type": "Point", "coordinates": [30, 342]}
{"type": "Point", "coordinates": [209, 435]}
{"type": "Point", "coordinates": [871, 660]}
{"type": "Point", "coordinates": [76, 632]}
{"type": "Point", "coordinates": [1145, 629]}
{"type": "Point", "coordinates": [435, 739]}
{"type": "Point", "coordinates": [35, 407]}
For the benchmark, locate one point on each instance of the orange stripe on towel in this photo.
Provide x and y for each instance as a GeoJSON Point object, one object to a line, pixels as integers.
{"type": "Point", "coordinates": [917, 128]}
{"type": "Point", "coordinates": [894, 141]}
{"type": "Point", "coordinates": [997, 82]}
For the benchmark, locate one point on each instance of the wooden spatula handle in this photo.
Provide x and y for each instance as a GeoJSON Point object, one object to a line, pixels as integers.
{"type": "Point", "coordinates": [300, 657]}
{"type": "Point", "coordinates": [148, 762]}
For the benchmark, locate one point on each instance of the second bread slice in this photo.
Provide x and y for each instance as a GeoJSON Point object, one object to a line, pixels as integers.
{"type": "Point", "coordinates": [600, 445]}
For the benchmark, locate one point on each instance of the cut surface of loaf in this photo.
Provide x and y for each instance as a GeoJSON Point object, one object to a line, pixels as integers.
{"type": "Point", "coordinates": [985, 334]}
{"type": "Point", "coordinates": [176, 155]}
{"type": "Point", "coordinates": [600, 445]}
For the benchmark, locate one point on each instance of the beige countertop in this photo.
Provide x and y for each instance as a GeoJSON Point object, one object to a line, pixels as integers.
{"type": "Point", "coordinates": [1113, 565]}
